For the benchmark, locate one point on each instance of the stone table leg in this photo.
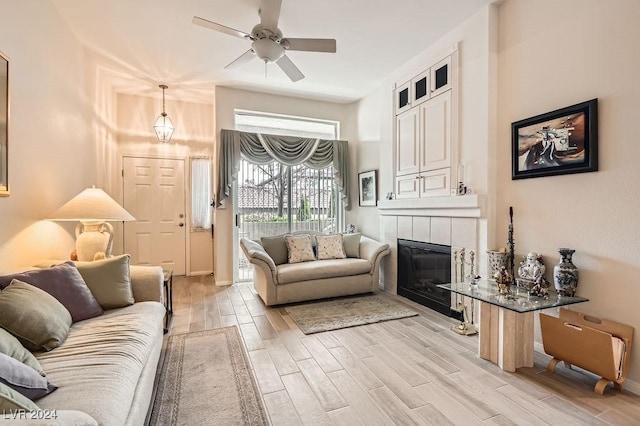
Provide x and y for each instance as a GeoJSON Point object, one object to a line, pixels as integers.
{"type": "Point", "coordinates": [506, 337]}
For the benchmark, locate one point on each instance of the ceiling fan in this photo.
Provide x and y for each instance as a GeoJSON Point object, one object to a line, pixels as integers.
{"type": "Point", "coordinates": [268, 43]}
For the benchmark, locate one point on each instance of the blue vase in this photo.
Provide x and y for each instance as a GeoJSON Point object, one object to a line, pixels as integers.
{"type": "Point", "coordinates": [565, 274]}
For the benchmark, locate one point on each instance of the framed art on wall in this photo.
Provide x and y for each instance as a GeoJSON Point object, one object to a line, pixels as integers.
{"type": "Point", "coordinates": [556, 143]}
{"type": "Point", "coordinates": [368, 188]}
{"type": "Point", "coordinates": [4, 125]}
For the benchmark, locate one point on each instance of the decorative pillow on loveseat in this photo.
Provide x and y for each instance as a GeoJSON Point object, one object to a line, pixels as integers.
{"type": "Point", "coordinates": [351, 244]}
{"type": "Point", "coordinates": [299, 248]}
{"type": "Point", "coordinates": [109, 280]}
{"type": "Point", "coordinates": [330, 247]}
{"type": "Point", "coordinates": [276, 248]}
{"type": "Point", "coordinates": [65, 283]}
{"type": "Point", "coordinates": [32, 315]}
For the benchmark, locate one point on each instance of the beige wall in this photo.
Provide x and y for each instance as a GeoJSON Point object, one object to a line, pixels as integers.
{"type": "Point", "coordinates": [366, 145]}
{"type": "Point", "coordinates": [193, 136]}
{"type": "Point", "coordinates": [227, 100]}
{"type": "Point", "coordinates": [51, 150]}
{"type": "Point", "coordinates": [554, 54]}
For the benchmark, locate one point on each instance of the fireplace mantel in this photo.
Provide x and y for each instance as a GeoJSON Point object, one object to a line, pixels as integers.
{"type": "Point", "coordinates": [472, 205]}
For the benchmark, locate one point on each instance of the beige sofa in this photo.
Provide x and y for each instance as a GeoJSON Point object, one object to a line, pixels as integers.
{"type": "Point", "coordinates": [317, 279]}
{"type": "Point", "coordinates": [106, 367]}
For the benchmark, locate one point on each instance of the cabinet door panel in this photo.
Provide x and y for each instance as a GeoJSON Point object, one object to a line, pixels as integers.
{"type": "Point", "coordinates": [407, 186]}
{"type": "Point", "coordinates": [435, 133]}
{"type": "Point", "coordinates": [435, 183]}
{"type": "Point", "coordinates": [407, 140]}
{"type": "Point", "coordinates": [404, 95]}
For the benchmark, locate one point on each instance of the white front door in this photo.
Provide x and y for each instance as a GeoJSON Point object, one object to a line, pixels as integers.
{"type": "Point", "coordinates": [154, 194]}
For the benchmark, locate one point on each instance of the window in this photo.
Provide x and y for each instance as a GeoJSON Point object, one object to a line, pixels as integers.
{"type": "Point", "coordinates": [274, 199]}
{"type": "Point", "coordinates": [200, 193]}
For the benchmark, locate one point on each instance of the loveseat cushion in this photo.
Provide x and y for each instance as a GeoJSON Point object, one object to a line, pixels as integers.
{"type": "Point", "coordinates": [318, 269]}
{"type": "Point", "coordinates": [100, 364]}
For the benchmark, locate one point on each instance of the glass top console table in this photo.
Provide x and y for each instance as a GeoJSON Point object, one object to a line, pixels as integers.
{"type": "Point", "coordinates": [506, 321]}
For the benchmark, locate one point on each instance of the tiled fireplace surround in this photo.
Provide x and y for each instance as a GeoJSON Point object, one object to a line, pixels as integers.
{"type": "Point", "coordinates": [457, 221]}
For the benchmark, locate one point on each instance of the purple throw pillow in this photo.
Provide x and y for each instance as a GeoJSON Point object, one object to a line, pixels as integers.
{"type": "Point", "coordinates": [65, 283]}
{"type": "Point", "coordinates": [24, 379]}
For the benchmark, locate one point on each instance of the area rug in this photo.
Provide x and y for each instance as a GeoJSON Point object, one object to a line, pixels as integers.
{"type": "Point", "coordinates": [346, 312]}
{"type": "Point", "coordinates": [206, 379]}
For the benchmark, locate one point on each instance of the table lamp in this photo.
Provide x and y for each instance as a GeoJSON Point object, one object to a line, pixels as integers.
{"type": "Point", "coordinates": [94, 209]}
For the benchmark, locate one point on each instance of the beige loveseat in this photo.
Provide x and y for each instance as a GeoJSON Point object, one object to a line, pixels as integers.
{"type": "Point", "coordinates": [317, 279]}
{"type": "Point", "coordinates": [106, 367]}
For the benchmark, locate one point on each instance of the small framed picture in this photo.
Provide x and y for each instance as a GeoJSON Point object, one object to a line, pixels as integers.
{"type": "Point", "coordinates": [556, 143]}
{"type": "Point", "coordinates": [368, 188]}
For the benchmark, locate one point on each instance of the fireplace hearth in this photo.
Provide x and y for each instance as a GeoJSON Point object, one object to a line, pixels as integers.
{"type": "Point", "coordinates": [421, 267]}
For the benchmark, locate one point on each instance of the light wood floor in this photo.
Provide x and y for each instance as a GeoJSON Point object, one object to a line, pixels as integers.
{"type": "Point", "coordinates": [413, 371]}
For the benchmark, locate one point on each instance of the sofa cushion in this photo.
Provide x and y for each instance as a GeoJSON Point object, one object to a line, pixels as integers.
{"type": "Point", "coordinates": [98, 368]}
{"type": "Point", "coordinates": [299, 248]}
{"type": "Point", "coordinates": [12, 401]}
{"type": "Point", "coordinates": [35, 317]}
{"type": "Point", "coordinates": [109, 280]}
{"type": "Point", "coordinates": [351, 244]}
{"type": "Point", "coordinates": [276, 248]}
{"type": "Point", "coordinates": [332, 268]}
{"type": "Point", "coordinates": [23, 379]}
{"type": "Point", "coordinates": [10, 346]}
{"type": "Point", "coordinates": [65, 283]}
{"type": "Point", "coordinates": [330, 247]}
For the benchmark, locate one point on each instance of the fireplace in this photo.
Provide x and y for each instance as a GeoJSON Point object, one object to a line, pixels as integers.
{"type": "Point", "coordinates": [421, 267]}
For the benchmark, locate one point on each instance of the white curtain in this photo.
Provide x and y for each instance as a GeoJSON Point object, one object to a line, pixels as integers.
{"type": "Point", "coordinates": [200, 193]}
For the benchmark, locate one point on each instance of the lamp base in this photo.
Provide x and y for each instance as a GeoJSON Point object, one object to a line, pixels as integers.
{"type": "Point", "coordinates": [92, 238]}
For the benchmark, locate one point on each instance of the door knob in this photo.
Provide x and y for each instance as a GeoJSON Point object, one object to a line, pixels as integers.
{"type": "Point", "coordinates": [181, 224]}
{"type": "Point", "coordinates": [180, 215]}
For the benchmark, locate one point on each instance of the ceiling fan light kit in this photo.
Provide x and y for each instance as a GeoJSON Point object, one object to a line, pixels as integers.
{"type": "Point", "coordinates": [268, 43]}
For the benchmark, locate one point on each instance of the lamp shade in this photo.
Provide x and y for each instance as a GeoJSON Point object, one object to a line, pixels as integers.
{"type": "Point", "coordinates": [92, 204]}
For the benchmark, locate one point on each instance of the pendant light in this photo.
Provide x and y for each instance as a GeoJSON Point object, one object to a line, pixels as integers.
{"type": "Point", "coordinates": [163, 125]}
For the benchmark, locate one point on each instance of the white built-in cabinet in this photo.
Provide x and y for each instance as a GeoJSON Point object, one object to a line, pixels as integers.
{"type": "Point", "coordinates": [424, 128]}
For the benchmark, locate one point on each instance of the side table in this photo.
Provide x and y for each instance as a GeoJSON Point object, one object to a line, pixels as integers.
{"type": "Point", "coordinates": [168, 298]}
{"type": "Point", "coordinates": [506, 321]}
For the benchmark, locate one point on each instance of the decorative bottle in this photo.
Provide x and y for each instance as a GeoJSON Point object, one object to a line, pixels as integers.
{"type": "Point", "coordinates": [565, 274]}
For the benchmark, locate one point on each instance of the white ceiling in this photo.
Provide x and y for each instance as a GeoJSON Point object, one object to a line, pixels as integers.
{"type": "Point", "coordinates": [154, 41]}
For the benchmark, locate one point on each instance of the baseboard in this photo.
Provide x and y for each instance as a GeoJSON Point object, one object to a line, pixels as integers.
{"type": "Point", "coordinates": [200, 273]}
{"type": "Point", "coordinates": [628, 385]}
{"type": "Point", "coordinates": [223, 283]}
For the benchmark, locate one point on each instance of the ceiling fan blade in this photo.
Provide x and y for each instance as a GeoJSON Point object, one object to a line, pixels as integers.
{"type": "Point", "coordinates": [270, 13]}
{"type": "Point", "coordinates": [310, 44]}
{"type": "Point", "coordinates": [218, 27]}
{"type": "Point", "coordinates": [289, 68]}
{"type": "Point", "coordinates": [242, 59]}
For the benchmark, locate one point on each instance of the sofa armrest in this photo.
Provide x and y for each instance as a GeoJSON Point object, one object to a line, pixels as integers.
{"type": "Point", "coordinates": [50, 417]}
{"type": "Point", "coordinates": [373, 250]}
{"type": "Point", "coordinates": [265, 271]}
{"type": "Point", "coordinates": [257, 255]}
{"type": "Point", "coordinates": [147, 283]}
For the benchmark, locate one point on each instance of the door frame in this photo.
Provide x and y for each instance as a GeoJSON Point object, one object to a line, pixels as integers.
{"type": "Point", "coordinates": [187, 197]}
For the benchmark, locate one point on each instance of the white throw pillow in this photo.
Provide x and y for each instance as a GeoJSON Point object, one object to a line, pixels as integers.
{"type": "Point", "coordinates": [330, 247]}
{"type": "Point", "coordinates": [299, 248]}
